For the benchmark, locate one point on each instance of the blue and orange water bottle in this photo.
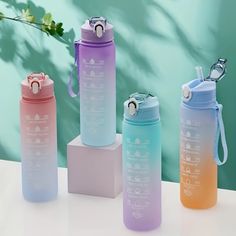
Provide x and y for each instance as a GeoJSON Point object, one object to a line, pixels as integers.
{"type": "Point", "coordinates": [201, 126]}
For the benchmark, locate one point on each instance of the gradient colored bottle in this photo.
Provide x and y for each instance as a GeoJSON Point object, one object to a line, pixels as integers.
{"type": "Point", "coordinates": [95, 56]}
{"type": "Point", "coordinates": [201, 124]}
{"type": "Point", "coordinates": [141, 163]}
{"type": "Point", "coordinates": [38, 138]}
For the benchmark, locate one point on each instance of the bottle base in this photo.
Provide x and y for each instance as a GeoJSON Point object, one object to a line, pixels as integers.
{"type": "Point", "coordinates": [198, 206]}
{"type": "Point", "coordinates": [39, 199]}
{"type": "Point", "coordinates": [97, 145]}
{"type": "Point", "coordinates": [143, 228]}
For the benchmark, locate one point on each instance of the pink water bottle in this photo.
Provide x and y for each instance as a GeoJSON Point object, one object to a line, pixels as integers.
{"type": "Point", "coordinates": [38, 138]}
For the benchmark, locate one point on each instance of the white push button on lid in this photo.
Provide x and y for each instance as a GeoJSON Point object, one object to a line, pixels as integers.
{"type": "Point", "coordinates": [99, 31]}
{"type": "Point", "coordinates": [35, 87]}
{"type": "Point", "coordinates": [132, 106]}
{"type": "Point", "coordinates": [186, 93]}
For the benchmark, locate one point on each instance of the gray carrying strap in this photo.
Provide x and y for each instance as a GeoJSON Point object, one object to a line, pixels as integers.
{"type": "Point", "coordinates": [220, 134]}
{"type": "Point", "coordinates": [69, 84]}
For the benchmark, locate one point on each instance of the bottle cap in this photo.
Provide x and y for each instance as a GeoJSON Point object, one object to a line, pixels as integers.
{"type": "Point", "coordinates": [37, 86]}
{"type": "Point", "coordinates": [199, 94]}
{"type": "Point", "coordinates": [141, 107]}
{"type": "Point", "coordinates": [97, 30]}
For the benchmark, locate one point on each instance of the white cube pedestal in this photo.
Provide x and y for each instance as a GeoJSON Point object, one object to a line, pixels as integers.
{"type": "Point", "coordinates": [95, 171]}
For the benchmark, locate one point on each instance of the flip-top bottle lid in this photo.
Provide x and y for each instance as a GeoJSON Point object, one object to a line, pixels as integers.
{"type": "Point", "coordinates": [37, 86]}
{"type": "Point", "coordinates": [201, 92]}
{"type": "Point", "coordinates": [198, 93]}
{"type": "Point", "coordinates": [97, 30]}
{"type": "Point", "coordinates": [141, 107]}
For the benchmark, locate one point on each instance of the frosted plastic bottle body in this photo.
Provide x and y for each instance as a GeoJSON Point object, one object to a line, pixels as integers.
{"type": "Point", "coordinates": [141, 153]}
{"type": "Point", "coordinates": [97, 93]}
{"type": "Point", "coordinates": [38, 146]}
{"type": "Point", "coordinates": [198, 169]}
{"type": "Point", "coordinates": [201, 127]}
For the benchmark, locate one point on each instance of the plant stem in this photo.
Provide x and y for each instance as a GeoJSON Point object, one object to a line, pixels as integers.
{"type": "Point", "coordinates": [32, 24]}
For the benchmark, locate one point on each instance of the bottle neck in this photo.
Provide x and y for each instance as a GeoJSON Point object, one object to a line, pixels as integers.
{"type": "Point", "coordinates": [38, 100]}
{"type": "Point", "coordinates": [142, 123]}
{"type": "Point", "coordinates": [95, 44]}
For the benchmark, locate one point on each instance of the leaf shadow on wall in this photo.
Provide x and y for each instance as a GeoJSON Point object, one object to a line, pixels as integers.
{"type": "Point", "coordinates": [225, 37]}
{"type": "Point", "coordinates": [135, 71]}
{"type": "Point", "coordinates": [8, 44]}
{"type": "Point", "coordinates": [33, 57]}
{"type": "Point", "coordinates": [191, 49]}
{"type": "Point", "coordinates": [170, 164]}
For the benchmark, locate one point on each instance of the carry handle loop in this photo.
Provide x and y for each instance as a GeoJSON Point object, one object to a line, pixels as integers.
{"type": "Point", "coordinates": [220, 134]}
{"type": "Point", "coordinates": [69, 85]}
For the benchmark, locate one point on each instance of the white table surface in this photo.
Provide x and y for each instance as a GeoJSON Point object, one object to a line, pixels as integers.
{"type": "Point", "coordinates": [83, 215]}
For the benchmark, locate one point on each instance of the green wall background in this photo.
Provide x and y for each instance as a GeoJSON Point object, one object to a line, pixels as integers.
{"type": "Point", "coordinates": [158, 45]}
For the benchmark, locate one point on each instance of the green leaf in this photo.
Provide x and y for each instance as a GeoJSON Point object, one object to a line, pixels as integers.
{"type": "Point", "coordinates": [51, 31]}
{"type": "Point", "coordinates": [59, 29]}
{"type": "Point", "coordinates": [59, 25]}
{"type": "Point", "coordinates": [1, 16]}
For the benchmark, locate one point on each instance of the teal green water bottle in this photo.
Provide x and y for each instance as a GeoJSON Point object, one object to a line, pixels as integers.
{"type": "Point", "coordinates": [141, 163]}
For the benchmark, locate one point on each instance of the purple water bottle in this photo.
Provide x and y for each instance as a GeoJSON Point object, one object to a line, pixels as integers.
{"type": "Point", "coordinates": [95, 56]}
